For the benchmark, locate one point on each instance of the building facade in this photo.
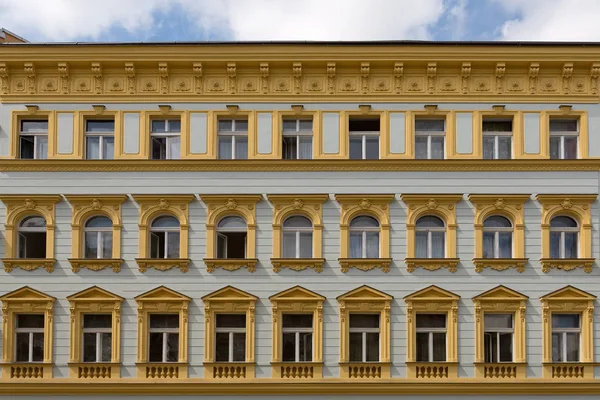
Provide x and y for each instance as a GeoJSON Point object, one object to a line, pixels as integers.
{"type": "Point", "coordinates": [323, 220]}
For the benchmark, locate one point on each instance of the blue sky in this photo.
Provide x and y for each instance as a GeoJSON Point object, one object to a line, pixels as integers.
{"type": "Point", "coordinates": [205, 20]}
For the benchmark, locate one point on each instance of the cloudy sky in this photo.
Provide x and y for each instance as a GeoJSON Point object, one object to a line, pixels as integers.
{"type": "Point", "coordinates": [202, 20]}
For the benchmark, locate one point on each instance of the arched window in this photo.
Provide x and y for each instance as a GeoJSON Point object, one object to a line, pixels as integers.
{"type": "Point", "coordinates": [430, 237]}
{"type": "Point", "coordinates": [231, 237]}
{"type": "Point", "coordinates": [32, 237]}
{"type": "Point", "coordinates": [364, 237]}
{"type": "Point", "coordinates": [164, 237]}
{"type": "Point", "coordinates": [97, 237]}
{"type": "Point", "coordinates": [497, 237]}
{"type": "Point", "coordinates": [564, 235]}
{"type": "Point", "coordinates": [297, 237]}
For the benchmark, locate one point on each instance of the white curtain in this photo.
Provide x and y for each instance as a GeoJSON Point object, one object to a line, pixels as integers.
{"type": "Point", "coordinates": [488, 244]}
{"type": "Point", "coordinates": [42, 147]}
{"type": "Point", "coordinates": [175, 153]}
{"type": "Point", "coordinates": [306, 245]}
{"type": "Point", "coordinates": [356, 245]}
{"type": "Point", "coordinates": [289, 245]}
{"type": "Point", "coordinates": [107, 244]}
{"type": "Point", "coordinates": [109, 147]}
{"type": "Point", "coordinates": [305, 149]}
{"type": "Point", "coordinates": [225, 152]}
{"type": "Point", "coordinates": [372, 244]}
{"type": "Point", "coordinates": [93, 148]}
{"type": "Point", "coordinates": [241, 147]}
{"type": "Point", "coordinates": [438, 245]}
{"type": "Point", "coordinates": [421, 244]}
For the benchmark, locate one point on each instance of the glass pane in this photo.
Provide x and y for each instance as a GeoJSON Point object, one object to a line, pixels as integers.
{"type": "Point", "coordinates": [22, 347]}
{"type": "Point", "coordinates": [104, 125]}
{"type": "Point", "coordinates": [572, 346]}
{"type": "Point", "coordinates": [505, 147]}
{"type": "Point", "coordinates": [98, 222]}
{"type": "Point", "coordinates": [38, 347]}
{"type": "Point", "coordinates": [225, 148]}
{"type": "Point", "coordinates": [91, 244]}
{"type": "Point", "coordinates": [557, 346]}
{"type": "Point", "coordinates": [563, 222]}
{"type": "Point", "coordinates": [488, 245]}
{"type": "Point", "coordinates": [555, 147]}
{"type": "Point", "coordinates": [356, 245]}
{"type": "Point", "coordinates": [26, 147]}
{"type": "Point", "coordinates": [289, 244]}
{"type": "Point", "coordinates": [356, 148]}
{"type": "Point", "coordinates": [356, 345]}
{"type": "Point", "coordinates": [108, 147]}
{"type": "Point", "coordinates": [488, 147]}
{"type": "Point", "coordinates": [437, 147]}
{"type": "Point", "coordinates": [173, 347]}
{"type": "Point", "coordinates": [34, 126]}
{"type": "Point", "coordinates": [164, 321]}
{"type": "Point", "coordinates": [364, 320]}
{"type": "Point", "coordinates": [430, 125]}
{"type": "Point", "coordinates": [165, 222]}
{"type": "Point", "coordinates": [92, 148]}
{"type": "Point", "coordinates": [305, 346]}
{"type": "Point", "coordinates": [174, 149]}
{"type": "Point", "coordinates": [225, 125]}
{"type": "Point", "coordinates": [305, 148]}
{"type": "Point", "coordinates": [505, 241]}
{"type": "Point", "coordinates": [241, 125]}
{"type": "Point", "coordinates": [297, 320]}
{"type": "Point", "coordinates": [363, 125]}
{"type": "Point", "coordinates": [372, 148]}
{"type": "Point", "coordinates": [289, 148]}
{"type": "Point", "coordinates": [174, 125]}
{"type": "Point", "coordinates": [495, 321]}
{"type": "Point", "coordinates": [157, 244]}
{"type": "Point", "coordinates": [422, 346]}
{"type": "Point", "coordinates": [430, 222]}
{"type": "Point", "coordinates": [506, 350]}
{"type": "Point", "coordinates": [106, 238]}
{"type": "Point", "coordinates": [421, 244]}
{"type": "Point", "coordinates": [297, 222]}
{"type": "Point", "coordinates": [221, 245]}
{"type": "Point", "coordinates": [439, 346]}
{"type": "Point", "coordinates": [159, 126]}
{"type": "Point", "coordinates": [565, 320]}
{"type": "Point", "coordinates": [570, 147]}
{"type": "Point", "coordinates": [431, 320]}
{"type": "Point", "coordinates": [372, 347]}
{"type": "Point", "coordinates": [97, 321]}
{"type": "Point", "coordinates": [497, 221]}
{"type": "Point", "coordinates": [159, 148]}
{"type": "Point", "coordinates": [438, 245]}
{"type": "Point", "coordinates": [89, 347]}
{"type": "Point", "coordinates": [155, 347]}
{"type": "Point", "coordinates": [306, 124]}
{"type": "Point", "coordinates": [421, 147]}
{"type": "Point", "coordinates": [372, 245]}
{"type": "Point", "coordinates": [172, 244]}
{"type": "Point", "coordinates": [239, 346]}
{"type": "Point", "coordinates": [497, 126]}
{"type": "Point", "coordinates": [364, 222]}
{"type": "Point", "coordinates": [222, 347]}
{"type": "Point", "coordinates": [231, 321]}
{"type": "Point", "coordinates": [489, 347]}
{"type": "Point", "coordinates": [106, 347]}
{"type": "Point", "coordinates": [306, 240]}
{"type": "Point", "coordinates": [30, 321]}
{"type": "Point", "coordinates": [241, 148]}
{"type": "Point", "coordinates": [33, 222]}
{"type": "Point", "coordinates": [232, 222]}
{"type": "Point", "coordinates": [571, 250]}
{"type": "Point", "coordinates": [42, 147]}
{"type": "Point", "coordinates": [563, 125]}
{"type": "Point", "coordinates": [288, 347]}
{"type": "Point", "coordinates": [555, 244]}
{"type": "Point", "coordinates": [289, 125]}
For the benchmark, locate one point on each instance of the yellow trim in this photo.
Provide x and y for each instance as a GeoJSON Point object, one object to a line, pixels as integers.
{"type": "Point", "coordinates": [143, 137]}
{"type": "Point", "coordinates": [501, 300]}
{"type": "Point", "coordinates": [220, 206]}
{"type": "Point", "coordinates": [228, 300]}
{"type": "Point", "coordinates": [184, 131]}
{"type": "Point", "coordinates": [518, 137]}
{"type": "Point", "coordinates": [162, 300]}
{"type": "Point", "coordinates": [449, 123]}
{"type": "Point", "coordinates": [26, 301]}
{"type": "Point", "coordinates": [578, 207]}
{"type": "Point", "coordinates": [432, 300]}
{"type": "Point", "coordinates": [82, 116]}
{"type": "Point", "coordinates": [213, 131]}
{"type": "Point", "coordinates": [317, 137]}
{"type": "Point", "coordinates": [569, 113]}
{"type": "Point", "coordinates": [373, 205]}
{"type": "Point", "coordinates": [186, 151]}
{"type": "Point", "coordinates": [342, 153]}
{"type": "Point", "coordinates": [94, 300]}
{"type": "Point", "coordinates": [508, 206]}
{"type": "Point", "coordinates": [365, 300]}
{"type": "Point", "coordinates": [386, 152]}
{"type": "Point", "coordinates": [84, 208]}
{"type": "Point", "coordinates": [297, 300]}
{"type": "Point", "coordinates": [17, 116]}
{"type": "Point", "coordinates": [442, 206]}
{"type": "Point", "coordinates": [153, 206]}
{"type": "Point", "coordinates": [568, 300]}
{"type": "Point", "coordinates": [309, 206]}
{"type": "Point", "coordinates": [77, 138]}
{"type": "Point", "coordinates": [366, 113]}
{"type": "Point", "coordinates": [544, 153]}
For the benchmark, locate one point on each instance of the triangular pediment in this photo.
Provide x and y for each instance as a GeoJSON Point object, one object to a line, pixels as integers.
{"type": "Point", "coordinates": [568, 293]}
{"type": "Point", "coordinates": [297, 293]}
{"type": "Point", "coordinates": [229, 293]}
{"type": "Point", "coordinates": [94, 293]}
{"type": "Point", "coordinates": [364, 293]}
{"type": "Point", "coordinates": [501, 293]}
{"type": "Point", "coordinates": [432, 293]}
{"type": "Point", "coordinates": [26, 294]}
{"type": "Point", "coordinates": [162, 293]}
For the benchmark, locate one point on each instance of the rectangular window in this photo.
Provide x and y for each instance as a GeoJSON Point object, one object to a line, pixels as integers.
{"type": "Point", "coordinates": [564, 244]}
{"type": "Point", "coordinates": [364, 138]}
{"type": "Point", "coordinates": [566, 337]}
{"type": "Point", "coordinates": [297, 139]}
{"type": "Point", "coordinates": [364, 244]}
{"type": "Point", "coordinates": [233, 139]}
{"type": "Point", "coordinates": [164, 338]}
{"type": "Point", "coordinates": [564, 138]}
{"type": "Point", "coordinates": [430, 138]}
{"type": "Point", "coordinates": [29, 338]}
{"type": "Point", "coordinates": [164, 244]}
{"type": "Point", "coordinates": [100, 139]}
{"type": "Point", "coordinates": [230, 340]}
{"type": "Point", "coordinates": [498, 337]}
{"type": "Point", "coordinates": [166, 138]}
{"type": "Point", "coordinates": [97, 337]}
{"type": "Point", "coordinates": [33, 139]}
{"type": "Point", "coordinates": [297, 340]}
{"type": "Point", "coordinates": [497, 138]}
{"type": "Point", "coordinates": [364, 337]}
{"type": "Point", "coordinates": [431, 337]}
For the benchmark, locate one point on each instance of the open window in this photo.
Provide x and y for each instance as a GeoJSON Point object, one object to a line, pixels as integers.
{"type": "Point", "coordinates": [164, 237]}
{"type": "Point", "coordinates": [364, 138]}
{"type": "Point", "coordinates": [32, 237]}
{"type": "Point", "coordinates": [165, 137]}
{"type": "Point", "coordinates": [100, 139]}
{"type": "Point", "coordinates": [430, 138]}
{"type": "Point", "coordinates": [297, 139]}
{"type": "Point", "coordinates": [497, 138]}
{"type": "Point", "coordinates": [33, 139]}
{"type": "Point", "coordinates": [231, 237]}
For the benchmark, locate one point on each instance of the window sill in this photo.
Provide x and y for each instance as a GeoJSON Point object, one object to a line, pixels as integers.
{"type": "Point", "coordinates": [501, 371]}
{"type": "Point", "coordinates": [297, 370]}
{"type": "Point", "coordinates": [230, 264]}
{"type": "Point", "coordinates": [229, 371]}
{"type": "Point", "coordinates": [500, 264]}
{"type": "Point", "coordinates": [567, 264]}
{"type": "Point", "coordinates": [26, 371]}
{"type": "Point", "coordinates": [431, 370]}
{"type": "Point", "coordinates": [431, 264]}
{"type": "Point", "coordinates": [29, 264]}
{"type": "Point", "coordinates": [365, 370]}
{"type": "Point", "coordinates": [163, 264]}
{"type": "Point", "coordinates": [365, 264]}
{"type": "Point", "coordinates": [94, 370]}
{"type": "Point", "coordinates": [162, 371]}
{"type": "Point", "coordinates": [568, 370]}
{"type": "Point", "coordinates": [95, 264]}
{"type": "Point", "coordinates": [297, 264]}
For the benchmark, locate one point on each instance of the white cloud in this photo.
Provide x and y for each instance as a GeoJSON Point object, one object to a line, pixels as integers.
{"type": "Point", "coordinates": [552, 20]}
{"type": "Point", "coordinates": [67, 20]}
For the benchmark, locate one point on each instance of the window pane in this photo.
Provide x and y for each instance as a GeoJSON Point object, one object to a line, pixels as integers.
{"type": "Point", "coordinates": [241, 148]}
{"type": "Point", "coordinates": [572, 346]}
{"type": "Point", "coordinates": [488, 147]}
{"type": "Point", "coordinates": [22, 347]}
{"type": "Point", "coordinates": [497, 221]}
{"type": "Point", "coordinates": [297, 320]}
{"type": "Point", "coordinates": [222, 347]}
{"type": "Point", "coordinates": [91, 244]}
{"type": "Point", "coordinates": [27, 145]}
{"type": "Point", "coordinates": [488, 244]}
{"type": "Point", "coordinates": [506, 347]}
{"type": "Point", "coordinates": [431, 125]}
{"type": "Point", "coordinates": [89, 347]}
{"type": "Point", "coordinates": [241, 125]}
{"type": "Point", "coordinates": [563, 125]}
{"type": "Point", "coordinates": [159, 148]}
{"type": "Point", "coordinates": [157, 244]}
{"type": "Point", "coordinates": [225, 125]}
{"type": "Point", "coordinates": [106, 244]}
{"type": "Point", "coordinates": [422, 346]}
{"type": "Point", "coordinates": [421, 244]}
{"type": "Point", "coordinates": [563, 222]}
{"type": "Point", "coordinates": [174, 152]}
{"type": "Point", "coordinates": [232, 223]}
{"type": "Point", "coordinates": [159, 126]}
{"type": "Point", "coordinates": [306, 124]}
{"type": "Point", "coordinates": [239, 346]}
{"type": "Point", "coordinates": [100, 126]}
{"type": "Point", "coordinates": [305, 149]}
{"type": "Point", "coordinates": [439, 346]}
{"type": "Point", "coordinates": [505, 147]}
{"type": "Point", "coordinates": [571, 245]}
{"type": "Point", "coordinates": [372, 244]}
{"type": "Point", "coordinates": [289, 244]}
{"type": "Point", "coordinates": [173, 347]}
{"type": "Point", "coordinates": [174, 125]}
{"type": "Point", "coordinates": [372, 347]}
{"type": "Point", "coordinates": [356, 148]}
{"type": "Point", "coordinates": [356, 245]}
{"type": "Point", "coordinates": [231, 321]}
{"type": "Point", "coordinates": [305, 346]}
{"type": "Point", "coordinates": [557, 346]}
{"type": "Point", "coordinates": [430, 222]}
{"type": "Point", "coordinates": [306, 245]}
{"type": "Point", "coordinates": [155, 346]}
{"type": "Point", "coordinates": [288, 347]}
{"type": "Point", "coordinates": [497, 126]}
{"type": "Point", "coordinates": [364, 320]}
{"type": "Point", "coordinates": [489, 346]}
{"type": "Point", "coordinates": [165, 222]}
{"type": "Point", "coordinates": [554, 244]}
{"type": "Point", "coordinates": [30, 321]}
{"type": "Point", "coordinates": [108, 148]}
{"type": "Point", "coordinates": [38, 347]}
{"type": "Point", "coordinates": [289, 125]}
{"type": "Point", "coordinates": [505, 240]}
{"type": "Point", "coordinates": [225, 149]}
{"type": "Point", "coordinates": [97, 321]}
{"type": "Point", "coordinates": [34, 126]}
{"type": "Point", "coordinates": [106, 347]}
{"type": "Point", "coordinates": [431, 320]}
{"type": "Point", "coordinates": [421, 147]}
{"type": "Point", "coordinates": [438, 245]}
{"type": "Point", "coordinates": [555, 147]}
{"type": "Point", "coordinates": [437, 147]}
{"type": "Point", "coordinates": [570, 147]}
{"type": "Point", "coordinates": [495, 321]}
{"type": "Point", "coordinates": [173, 245]}
{"type": "Point", "coordinates": [364, 222]}
{"type": "Point", "coordinates": [164, 321]}
{"type": "Point", "coordinates": [289, 148]}
{"type": "Point", "coordinates": [372, 148]}
{"type": "Point", "coordinates": [297, 221]}
{"type": "Point", "coordinates": [565, 320]}
{"type": "Point", "coordinates": [42, 147]}
{"type": "Point", "coordinates": [356, 345]}
{"type": "Point", "coordinates": [92, 148]}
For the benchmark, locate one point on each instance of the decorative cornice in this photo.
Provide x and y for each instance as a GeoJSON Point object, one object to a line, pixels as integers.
{"type": "Point", "coordinates": [365, 264]}
{"type": "Point", "coordinates": [297, 264]}
{"type": "Point", "coordinates": [230, 264]}
{"type": "Point", "coordinates": [431, 264]}
{"type": "Point", "coordinates": [163, 264]}
{"type": "Point", "coordinates": [95, 264]}
{"type": "Point", "coordinates": [500, 264]}
{"type": "Point", "coordinates": [28, 264]}
{"type": "Point", "coordinates": [567, 264]}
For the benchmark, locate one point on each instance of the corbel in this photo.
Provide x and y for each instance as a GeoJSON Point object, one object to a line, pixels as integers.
{"type": "Point", "coordinates": [164, 108]}
{"type": "Point", "coordinates": [232, 108]}
{"type": "Point", "coordinates": [431, 73]}
{"type": "Point", "coordinates": [465, 73]}
{"type": "Point", "coordinates": [97, 73]}
{"type": "Point", "coordinates": [231, 73]}
{"type": "Point", "coordinates": [364, 77]}
{"type": "Point", "coordinates": [3, 78]}
{"type": "Point", "coordinates": [565, 108]}
{"type": "Point", "coordinates": [534, 70]}
{"type": "Point", "coordinates": [63, 71]}
{"type": "Point", "coordinates": [365, 108]}
{"type": "Point", "coordinates": [431, 108]}
{"type": "Point", "coordinates": [163, 70]}
{"type": "Point", "coordinates": [567, 73]}
{"type": "Point", "coordinates": [98, 108]}
{"type": "Point", "coordinates": [297, 108]}
{"type": "Point", "coordinates": [32, 109]}
{"type": "Point", "coordinates": [30, 72]}
{"type": "Point", "coordinates": [594, 73]}
{"type": "Point", "coordinates": [398, 73]}
{"type": "Point", "coordinates": [197, 68]}
{"type": "Point", "coordinates": [498, 108]}
{"type": "Point", "coordinates": [331, 77]}
{"type": "Point", "coordinates": [500, 71]}
{"type": "Point", "coordinates": [130, 72]}
{"type": "Point", "coordinates": [264, 77]}
{"type": "Point", "coordinates": [297, 70]}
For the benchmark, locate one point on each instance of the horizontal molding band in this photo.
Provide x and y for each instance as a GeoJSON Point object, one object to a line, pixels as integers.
{"type": "Point", "coordinates": [296, 165]}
